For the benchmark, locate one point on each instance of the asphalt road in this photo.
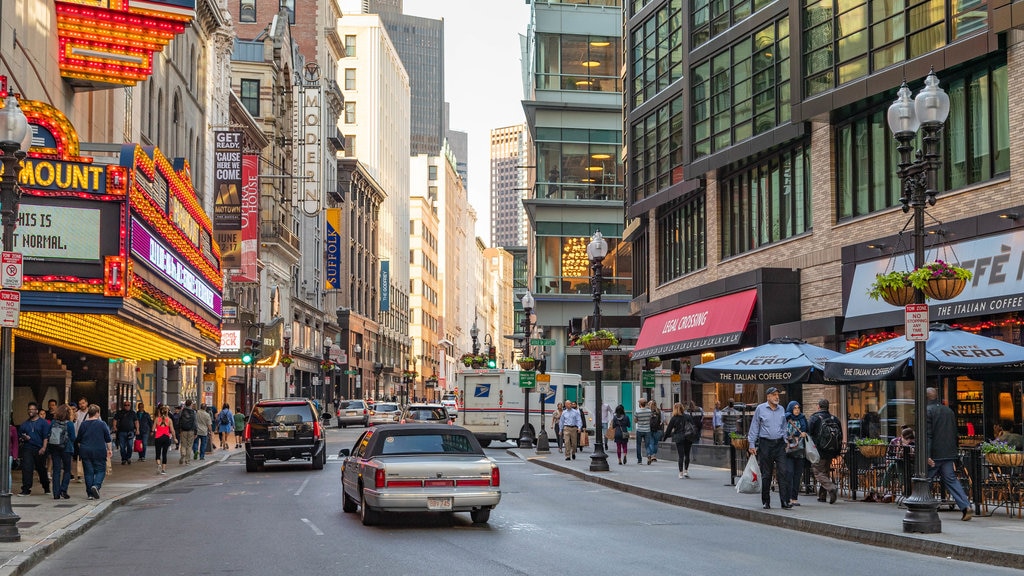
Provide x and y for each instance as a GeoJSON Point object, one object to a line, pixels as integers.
{"type": "Point", "coordinates": [288, 520]}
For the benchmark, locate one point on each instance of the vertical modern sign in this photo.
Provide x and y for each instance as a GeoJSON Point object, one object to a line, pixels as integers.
{"type": "Point", "coordinates": [385, 285]}
{"type": "Point", "coordinates": [227, 208]}
{"type": "Point", "coordinates": [250, 233]}
{"type": "Point", "coordinates": [332, 268]}
{"type": "Point", "coordinates": [309, 132]}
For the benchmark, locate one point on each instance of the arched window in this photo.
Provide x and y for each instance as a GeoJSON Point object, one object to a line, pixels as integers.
{"type": "Point", "coordinates": [176, 124]}
{"type": "Point", "coordinates": [158, 136]}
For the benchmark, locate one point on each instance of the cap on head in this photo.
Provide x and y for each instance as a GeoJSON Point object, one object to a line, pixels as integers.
{"type": "Point", "coordinates": [823, 403]}
{"type": "Point", "coordinates": [772, 390]}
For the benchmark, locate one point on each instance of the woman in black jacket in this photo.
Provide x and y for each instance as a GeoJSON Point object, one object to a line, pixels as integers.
{"type": "Point", "coordinates": [684, 428]}
{"type": "Point", "coordinates": [620, 423]}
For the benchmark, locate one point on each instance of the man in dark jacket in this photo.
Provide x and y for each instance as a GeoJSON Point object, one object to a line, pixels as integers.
{"type": "Point", "coordinates": [35, 433]}
{"type": "Point", "coordinates": [126, 428]}
{"type": "Point", "coordinates": [941, 434]}
{"type": "Point", "coordinates": [823, 467]}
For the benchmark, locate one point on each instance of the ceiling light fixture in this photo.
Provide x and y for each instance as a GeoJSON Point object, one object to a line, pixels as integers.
{"type": "Point", "coordinates": [1009, 216]}
{"type": "Point", "coordinates": [600, 43]}
{"type": "Point", "coordinates": [591, 64]}
{"type": "Point", "coordinates": [601, 156]}
{"type": "Point", "coordinates": [595, 168]}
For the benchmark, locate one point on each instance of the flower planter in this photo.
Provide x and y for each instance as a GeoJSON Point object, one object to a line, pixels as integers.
{"type": "Point", "coordinates": [945, 288]}
{"type": "Point", "coordinates": [1005, 459]}
{"type": "Point", "coordinates": [740, 444]}
{"type": "Point", "coordinates": [649, 365]}
{"type": "Point", "coordinates": [477, 365]}
{"type": "Point", "coordinates": [872, 450]}
{"type": "Point", "coordinates": [527, 364]}
{"type": "Point", "coordinates": [598, 344]}
{"type": "Point", "coordinates": [898, 296]}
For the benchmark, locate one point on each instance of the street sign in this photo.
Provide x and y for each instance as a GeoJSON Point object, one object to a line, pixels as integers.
{"type": "Point", "coordinates": [647, 378]}
{"type": "Point", "coordinates": [10, 308]}
{"type": "Point", "coordinates": [351, 372]}
{"type": "Point", "coordinates": [917, 322]}
{"type": "Point", "coordinates": [291, 388]}
{"type": "Point", "coordinates": [542, 342]}
{"type": "Point", "coordinates": [597, 360]}
{"type": "Point", "coordinates": [12, 264]}
{"type": "Point", "coordinates": [335, 353]}
{"type": "Point", "coordinates": [527, 379]}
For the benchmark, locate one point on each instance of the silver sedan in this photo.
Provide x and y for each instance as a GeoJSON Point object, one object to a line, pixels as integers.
{"type": "Point", "coordinates": [384, 413]}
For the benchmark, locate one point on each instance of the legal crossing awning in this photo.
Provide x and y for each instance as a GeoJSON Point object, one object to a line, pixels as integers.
{"type": "Point", "coordinates": [707, 324]}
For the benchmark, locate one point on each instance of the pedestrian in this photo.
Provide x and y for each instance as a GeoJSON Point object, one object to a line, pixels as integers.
{"type": "Point", "coordinates": [583, 426]}
{"type": "Point", "coordinates": [51, 410]}
{"type": "Point", "coordinates": [941, 445]}
{"type": "Point", "coordinates": [655, 435]}
{"type": "Point", "coordinates": [606, 422]}
{"type": "Point", "coordinates": [163, 435]}
{"type": "Point", "coordinates": [676, 430]}
{"type": "Point", "coordinates": [827, 433]}
{"type": "Point", "coordinates": [145, 428]}
{"type": "Point", "coordinates": [730, 420]}
{"type": "Point", "coordinates": [1003, 431]}
{"type": "Point", "coordinates": [35, 435]}
{"type": "Point", "coordinates": [767, 438]}
{"type": "Point", "coordinates": [571, 423]}
{"type": "Point", "coordinates": [175, 415]}
{"type": "Point", "coordinates": [204, 427]}
{"type": "Point", "coordinates": [60, 447]}
{"type": "Point", "coordinates": [642, 426]}
{"type": "Point", "coordinates": [225, 422]}
{"type": "Point", "coordinates": [210, 446]}
{"type": "Point", "coordinates": [187, 425]}
{"type": "Point", "coordinates": [899, 453]}
{"type": "Point", "coordinates": [126, 428]}
{"type": "Point", "coordinates": [556, 423]}
{"type": "Point", "coordinates": [620, 422]}
{"type": "Point", "coordinates": [93, 446]}
{"type": "Point", "coordinates": [80, 415]}
{"type": "Point", "coordinates": [239, 426]}
{"type": "Point", "coordinates": [716, 424]}
{"type": "Point", "coordinates": [796, 445]}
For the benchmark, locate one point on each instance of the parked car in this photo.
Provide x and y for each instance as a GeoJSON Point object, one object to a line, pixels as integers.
{"type": "Point", "coordinates": [384, 413]}
{"type": "Point", "coordinates": [282, 430]}
{"type": "Point", "coordinates": [425, 413]}
{"type": "Point", "coordinates": [418, 468]}
{"type": "Point", "coordinates": [353, 413]}
{"type": "Point", "coordinates": [451, 402]}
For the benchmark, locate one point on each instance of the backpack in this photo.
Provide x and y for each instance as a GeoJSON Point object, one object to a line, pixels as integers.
{"type": "Point", "coordinates": [187, 419]}
{"type": "Point", "coordinates": [656, 421]}
{"type": "Point", "coordinates": [59, 434]}
{"type": "Point", "coordinates": [830, 436]}
{"type": "Point", "coordinates": [224, 419]}
{"type": "Point", "coordinates": [690, 430]}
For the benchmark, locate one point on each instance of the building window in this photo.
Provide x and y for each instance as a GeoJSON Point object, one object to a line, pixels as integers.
{"type": "Point", "coordinates": [350, 45]}
{"type": "Point", "coordinates": [577, 62]}
{"type": "Point", "coordinates": [766, 203]}
{"type": "Point", "coordinates": [350, 112]}
{"type": "Point", "coordinates": [432, 172]}
{"type": "Point", "coordinates": [350, 146]}
{"type": "Point", "coordinates": [976, 143]}
{"type": "Point", "coordinates": [682, 247]}
{"type": "Point", "coordinates": [657, 151]}
{"type": "Point", "coordinates": [562, 263]}
{"type": "Point", "coordinates": [579, 164]}
{"type": "Point", "coordinates": [742, 91]}
{"type": "Point", "coordinates": [250, 96]}
{"type": "Point", "coordinates": [247, 10]}
{"type": "Point", "coordinates": [350, 78]}
{"type": "Point", "coordinates": [657, 47]}
{"type": "Point", "coordinates": [709, 18]}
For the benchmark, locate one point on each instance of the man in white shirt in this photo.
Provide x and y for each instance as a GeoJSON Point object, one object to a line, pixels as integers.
{"type": "Point", "coordinates": [606, 418]}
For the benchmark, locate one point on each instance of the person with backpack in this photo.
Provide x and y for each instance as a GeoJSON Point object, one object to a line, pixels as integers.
{"type": "Point", "coordinates": [620, 422]}
{"type": "Point", "coordinates": [187, 434]}
{"type": "Point", "coordinates": [225, 422]}
{"type": "Point", "coordinates": [686, 433]}
{"type": "Point", "coordinates": [61, 446]}
{"type": "Point", "coordinates": [126, 428]}
{"type": "Point", "coordinates": [145, 428]}
{"type": "Point", "coordinates": [35, 435]}
{"type": "Point", "coordinates": [655, 437]}
{"type": "Point", "coordinates": [827, 433]}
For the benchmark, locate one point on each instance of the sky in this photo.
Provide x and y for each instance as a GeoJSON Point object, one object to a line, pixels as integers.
{"type": "Point", "coordinates": [483, 79]}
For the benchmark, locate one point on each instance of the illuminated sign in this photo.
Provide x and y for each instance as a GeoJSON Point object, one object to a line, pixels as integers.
{"type": "Point", "coordinates": [183, 220]}
{"type": "Point", "coordinates": [58, 233]}
{"type": "Point", "coordinates": [332, 270]}
{"type": "Point", "coordinates": [64, 176]}
{"type": "Point", "coordinates": [230, 340]}
{"type": "Point", "coordinates": [166, 262]}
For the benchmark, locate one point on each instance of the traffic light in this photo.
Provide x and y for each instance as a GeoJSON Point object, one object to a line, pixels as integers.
{"type": "Point", "coordinates": [247, 354]}
{"type": "Point", "coordinates": [492, 360]}
{"type": "Point", "coordinates": [256, 349]}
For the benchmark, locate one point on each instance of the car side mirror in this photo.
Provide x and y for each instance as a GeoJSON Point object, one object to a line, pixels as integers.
{"type": "Point", "coordinates": [343, 453]}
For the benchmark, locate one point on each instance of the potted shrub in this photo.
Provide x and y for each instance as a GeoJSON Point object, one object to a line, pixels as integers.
{"type": "Point", "coordinates": [467, 359]}
{"type": "Point", "coordinates": [893, 287]}
{"type": "Point", "coordinates": [739, 441]}
{"type": "Point", "coordinates": [871, 447]}
{"type": "Point", "coordinates": [286, 361]}
{"type": "Point", "coordinates": [940, 280]}
{"type": "Point", "coordinates": [598, 340]}
{"type": "Point", "coordinates": [999, 453]}
{"type": "Point", "coordinates": [527, 363]}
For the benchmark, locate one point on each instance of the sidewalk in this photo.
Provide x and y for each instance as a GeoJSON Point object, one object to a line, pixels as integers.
{"type": "Point", "coordinates": [47, 524]}
{"type": "Point", "coordinates": [991, 539]}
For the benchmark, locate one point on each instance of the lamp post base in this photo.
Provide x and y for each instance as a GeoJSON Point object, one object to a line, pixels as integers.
{"type": "Point", "coordinates": [599, 459]}
{"type": "Point", "coordinates": [922, 510]}
{"type": "Point", "coordinates": [526, 437]}
{"type": "Point", "coordinates": [543, 446]}
{"type": "Point", "coordinates": [8, 520]}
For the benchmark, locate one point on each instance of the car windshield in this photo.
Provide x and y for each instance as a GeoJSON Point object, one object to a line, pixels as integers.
{"type": "Point", "coordinates": [428, 444]}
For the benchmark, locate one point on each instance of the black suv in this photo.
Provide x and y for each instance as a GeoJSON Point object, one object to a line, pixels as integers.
{"type": "Point", "coordinates": [284, 429]}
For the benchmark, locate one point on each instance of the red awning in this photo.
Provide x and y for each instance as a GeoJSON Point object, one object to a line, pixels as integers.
{"type": "Point", "coordinates": [708, 324]}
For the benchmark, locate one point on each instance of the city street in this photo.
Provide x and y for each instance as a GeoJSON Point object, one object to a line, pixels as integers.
{"type": "Point", "coordinates": [288, 518]}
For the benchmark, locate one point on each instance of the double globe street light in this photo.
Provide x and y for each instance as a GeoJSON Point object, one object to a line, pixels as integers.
{"type": "Point", "coordinates": [526, 434]}
{"type": "Point", "coordinates": [596, 251]}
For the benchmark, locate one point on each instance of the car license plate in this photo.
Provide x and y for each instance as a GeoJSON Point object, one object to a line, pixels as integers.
{"type": "Point", "coordinates": [435, 503]}
{"type": "Point", "coordinates": [352, 413]}
{"type": "Point", "coordinates": [282, 434]}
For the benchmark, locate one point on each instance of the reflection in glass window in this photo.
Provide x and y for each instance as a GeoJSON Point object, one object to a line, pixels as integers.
{"type": "Point", "coordinates": [579, 164]}
{"type": "Point", "coordinates": [562, 263]}
{"type": "Point", "coordinates": [576, 62]}
{"type": "Point", "coordinates": [682, 245]}
{"type": "Point", "coordinates": [657, 150]}
{"type": "Point", "coordinates": [657, 48]}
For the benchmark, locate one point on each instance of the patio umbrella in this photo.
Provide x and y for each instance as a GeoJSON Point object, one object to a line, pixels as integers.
{"type": "Point", "coordinates": [949, 351]}
{"type": "Point", "coordinates": [779, 361]}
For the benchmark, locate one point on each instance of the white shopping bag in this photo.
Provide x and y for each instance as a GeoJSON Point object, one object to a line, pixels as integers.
{"type": "Point", "coordinates": [750, 481]}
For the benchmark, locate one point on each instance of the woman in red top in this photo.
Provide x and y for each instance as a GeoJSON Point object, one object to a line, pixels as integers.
{"type": "Point", "coordinates": [163, 435]}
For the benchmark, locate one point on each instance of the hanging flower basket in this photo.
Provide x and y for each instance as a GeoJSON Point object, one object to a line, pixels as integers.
{"type": "Point", "coordinates": [527, 363]}
{"type": "Point", "coordinates": [892, 287]}
{"type": "Point", "coordinates": [287, 361]}
{"type": "Point", "coordinates": [652, 363]}
{"type": "Point", "coordinates": [327, 366]}
{"type": "Point", "coordinates": [741, 444]}
{"type": "Point", "coordinates": [599, 340]}
{"type": "Point", "coordinates": [944, 288]}
{"type": "Point", "coordinates": [897, 295]}
{"type": "Point", "coordinates": [1005, 459]}
{"type": "Point", "coordinates": [940, 280]}
{"type": "Point", "coordinates": [872, 450]}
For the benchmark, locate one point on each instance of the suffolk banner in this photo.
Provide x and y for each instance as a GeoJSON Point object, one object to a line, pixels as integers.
{"type": "Point", "coordinates": [332, 267]}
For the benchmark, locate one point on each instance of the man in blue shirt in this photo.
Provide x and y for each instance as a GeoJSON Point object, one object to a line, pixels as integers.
{"type": "Point", "coordinates": [35, 433]}
{"type": "Point", "coordinates": [571, 422]}
{"type": "Point", "coordinates": [767, 438]}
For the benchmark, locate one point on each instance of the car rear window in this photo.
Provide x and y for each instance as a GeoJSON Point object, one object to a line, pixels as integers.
{"type": "Point", "coordinates": [282, 413]}
{"type": "Point", "coordinates": [387, 407]}
{"type": "Point", "coordinates": [355, 404]}
{"type": "Point", "coordinates": [428, 444]}
{"type": "Point", "coordinates": [428, 414]}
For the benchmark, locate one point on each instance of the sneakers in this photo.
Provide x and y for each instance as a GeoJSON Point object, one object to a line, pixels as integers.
{"type": "Point", "coordinates": [65, 496]}
{"type": "Point", "coordinates": [95, 491]}
{"type": "Point", "coordinates": [686, 473]}
{"type": "Point", "coordinates": [968, 514]}
{"type": "Point", "coordinates": [832, 494]}
{"type": "Point", "coordinates": [681, 475]}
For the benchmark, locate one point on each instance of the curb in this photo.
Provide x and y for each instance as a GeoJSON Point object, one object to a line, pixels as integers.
{"type": "Point", "coordinates": [25, 561]}
{"type": "Point", "coordinates": [894, 541]}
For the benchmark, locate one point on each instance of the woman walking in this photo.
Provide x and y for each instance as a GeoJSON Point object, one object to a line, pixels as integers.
{"type": "Point", "coordinates": [60, 454]}
{"type": "Point", "coordinates": [145, 428]}
{"type": "Point", "coordinates": [93, 447]}
{"type": "Point", "coordinates": [621, 425]}
{"type": "Point", "coordinates": [796, 434]}
{"type": "Point", "coordinates": [556, 418]}
{"type": "Point", "coordinates": [163, 435]}
{"type": "Point", "coordinates": [225, 423]}
{"type": "Point", "coordinates": [684, 428]}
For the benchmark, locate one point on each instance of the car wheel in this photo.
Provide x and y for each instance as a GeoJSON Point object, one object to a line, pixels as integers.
{"type": "Point", "coordinates": [319, 461]}
{"type": "Point", "coordinates": [250, 464]}
{"type": "Point", "coordinates": [348, 504]}
{"type": "Point", "coordinates": [369, 517]}
{"type": "Point", "coordinates": [485, 443]}
{"type": "Point", "coordinates": [480, 515]}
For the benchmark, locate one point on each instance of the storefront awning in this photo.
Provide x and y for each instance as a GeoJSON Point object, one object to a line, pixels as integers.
{"type": "Point", "coordinates": [711, 323]}
{"type": "Point", "coordinates": [104, 335]}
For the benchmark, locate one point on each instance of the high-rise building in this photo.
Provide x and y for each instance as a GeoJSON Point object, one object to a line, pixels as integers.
{"type": "Point", "coordinates": [509, 154]}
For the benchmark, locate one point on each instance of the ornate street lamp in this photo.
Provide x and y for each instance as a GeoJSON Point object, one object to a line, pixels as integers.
{"type": "Point", "coordinates": [352, 374]}
{"type": "Point", "coordinates": [287, 360]}
{"type": "Point", "coordinates": [15, 140]}
{"type": "Point", "coordinates": [919, 178]}
{"type": "Point", "coordinates": [526, 434]}
{"type": "Point", "coordinates": [473, 333]}
{"type": "Point", "coordinates": [326, 367]}
{"type": "Point", "coordinates": [596, 251]}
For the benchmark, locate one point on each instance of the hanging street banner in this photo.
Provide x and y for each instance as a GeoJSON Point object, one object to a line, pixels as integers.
{"type": "Point", "coordinates": [332, 268]}
{"type": "Point", "coordinates": [250, 226]}
{"type": "Point", "coordinates": [385, 285]}
{"type": "Point", "coordinates": [227, 207]}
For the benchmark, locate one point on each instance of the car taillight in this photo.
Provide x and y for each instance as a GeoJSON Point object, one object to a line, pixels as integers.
{"type": "Point", "coordinates": [378, 478]}
{"type": "Point", "coordinates": [316, 429]}
{"type": "Point", "coordinates": [364, 411]}
{"type": "Point", "coordinates": [248, 432]}
{"type": "Point", "coordinates": [495, 477]}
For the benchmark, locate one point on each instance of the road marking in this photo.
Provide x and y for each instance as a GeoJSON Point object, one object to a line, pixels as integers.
{"type": "Point", "coordinates": [312, 526]}
{"type": "Point", "coordinates": [303, 487]}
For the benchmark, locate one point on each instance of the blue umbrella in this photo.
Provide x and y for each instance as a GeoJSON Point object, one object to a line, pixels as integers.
{"type": "Point", "coordinates": [779, 361]}
{"type": "Point", "coordinates": [949, 351]}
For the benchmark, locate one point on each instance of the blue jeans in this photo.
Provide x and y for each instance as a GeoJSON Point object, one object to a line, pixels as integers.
{"type": "Point", "coordinates": [945, 470]}
{"type": "Point", "coordinates": [643, 439]}
{"type": "Point", "coordinates": [652, 443]}
{"type": "Point", "coordinates": [61, 460]}
{"type": "Point", "coordinates": [125, 441]}
{"type": "Point", "coordinates": [95, 471]}
{"type": "Point", "coordinates": [200, 444]}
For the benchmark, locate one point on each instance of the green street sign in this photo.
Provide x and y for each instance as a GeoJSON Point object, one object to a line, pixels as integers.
{"type": "Point", "coordinates": [527, 379]}
{"type": "Point", "coordinates": [647, 379]}
{"type": "Point", "coordinates": [542, 342]}
{"type": "Point", "coordinates": [351, 372]}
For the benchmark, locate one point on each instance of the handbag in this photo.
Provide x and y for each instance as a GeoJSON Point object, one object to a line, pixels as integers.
{"type": "Point", "coordinates": [584, 438]}
{"type": "Point", "coordinates": [811, 451]}
{"type": "Point", "coordinates": [610, 433]}
{"type": "Point", "coordinates": [750, 481]}
{"type": "Point", "coordinates": [138, 445]}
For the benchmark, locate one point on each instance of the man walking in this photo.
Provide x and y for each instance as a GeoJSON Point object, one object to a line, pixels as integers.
{"type": "Point", "coordinates": [642, 420]}
{"type": "Point", "coordinates": [204, 426]}
{"type": "Point", "coordinates": [606, 422]}
{"type": "Point", "coordinates": [827, 434]}
{"type": "Point", "coordinates": [126, 428]}
{"type": "Point", "coordinates": [716, 424]}
{"type": "Point", "coordinates": [35, 433]}
{"type": "Point", "coordinates": [941, 434]}
{"type": "Point", "coordinates": [571, 423]}
{"type": "Point", "coordinates": [187, 426]}
{"type": "Point", "coordinates": [730, 420]}
{"type": "Point", "coordinates": [767, 439]}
